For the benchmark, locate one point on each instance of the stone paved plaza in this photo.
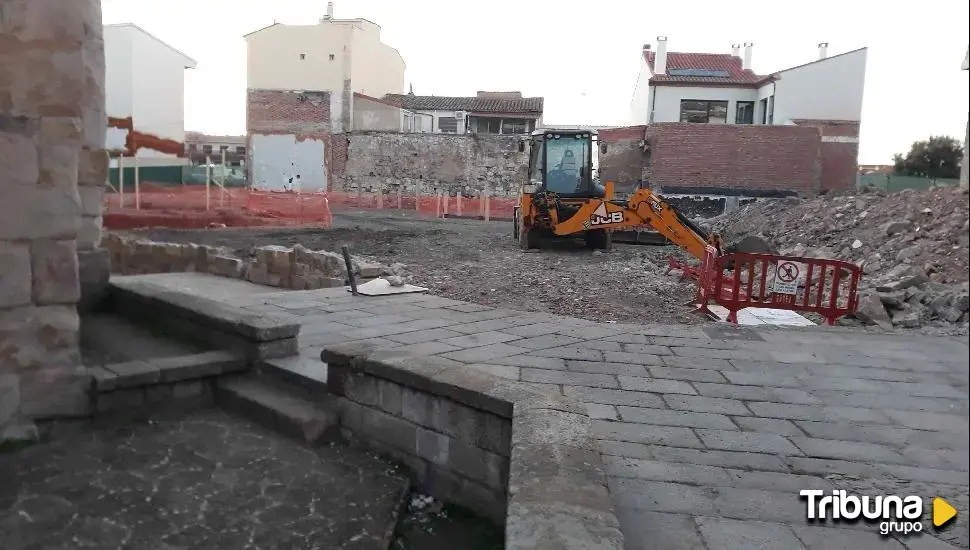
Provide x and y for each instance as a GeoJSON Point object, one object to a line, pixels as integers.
{"type": "Point", "coordinates": [707, 433]}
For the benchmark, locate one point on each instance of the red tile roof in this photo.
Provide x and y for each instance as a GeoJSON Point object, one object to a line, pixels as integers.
{"type": "Point", "coordinates": [712, 61]}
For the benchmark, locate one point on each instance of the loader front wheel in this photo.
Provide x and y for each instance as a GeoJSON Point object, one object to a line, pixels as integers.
{"type": "Point", "coordinates": [527, 236]}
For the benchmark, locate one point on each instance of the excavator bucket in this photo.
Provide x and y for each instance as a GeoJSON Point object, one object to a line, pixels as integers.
{"type": "Point", "coordinates": [752, 244]}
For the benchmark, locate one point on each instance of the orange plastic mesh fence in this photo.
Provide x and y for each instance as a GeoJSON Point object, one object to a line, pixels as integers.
{"type": "Point", "coordinates": [292, 208]}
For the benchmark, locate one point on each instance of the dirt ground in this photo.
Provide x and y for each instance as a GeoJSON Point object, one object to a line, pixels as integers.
{"type": "Point", "coordinates": [480, 262]}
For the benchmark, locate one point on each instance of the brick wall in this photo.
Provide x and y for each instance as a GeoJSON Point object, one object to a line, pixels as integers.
{"type": "Point", "coordinates": [734, 159]}
{"type": "Point", "coordinates": [839, 152]}
{"type": "Point", "coordinates": [286, 112]}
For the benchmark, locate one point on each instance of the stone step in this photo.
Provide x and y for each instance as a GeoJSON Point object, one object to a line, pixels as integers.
{"type": "Point", "coordinates": [308, 417]}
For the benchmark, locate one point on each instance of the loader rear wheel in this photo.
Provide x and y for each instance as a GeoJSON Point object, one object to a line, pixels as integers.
{"type": "Point", "coordinates": [599, 239]}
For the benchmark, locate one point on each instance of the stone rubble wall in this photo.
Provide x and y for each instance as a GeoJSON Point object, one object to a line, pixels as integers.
{"type": "Point", "coordinates": [296, 268]}
{"type": "Point", "coordinates": [465, 163]}
{"type": "Point", "coordinates": [52, 130]}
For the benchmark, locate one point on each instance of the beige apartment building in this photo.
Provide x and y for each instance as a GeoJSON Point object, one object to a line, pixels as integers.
{"type": "Point", "coordinates": [340, 56]}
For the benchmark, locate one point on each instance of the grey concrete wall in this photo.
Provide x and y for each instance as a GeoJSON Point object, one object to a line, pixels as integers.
{"type": "Point", "coordinates": [374, 115]}
{"type": "Point", "coordinates": [468, 163]}
{"type": "Point", "coordinates": [288, 162]}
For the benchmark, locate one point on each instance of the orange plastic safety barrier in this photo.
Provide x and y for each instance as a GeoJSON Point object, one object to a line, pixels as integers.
{"type": "Point", "coordinates": [737, 281]}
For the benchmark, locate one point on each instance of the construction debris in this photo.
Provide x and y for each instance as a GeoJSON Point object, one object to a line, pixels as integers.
{"type": "Point", "coordinates": [911, 245]}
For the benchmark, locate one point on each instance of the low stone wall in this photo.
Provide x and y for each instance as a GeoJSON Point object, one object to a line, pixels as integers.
{"type": "Point", "coordinates": [525, 459]}
{"type": "Point", "coordinates": [296, 268]}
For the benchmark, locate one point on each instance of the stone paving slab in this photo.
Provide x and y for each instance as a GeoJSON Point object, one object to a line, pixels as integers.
{"type": "Point", "coordinates": [710, 431]}
{"type": "Point", "coordinates": [205, 480]}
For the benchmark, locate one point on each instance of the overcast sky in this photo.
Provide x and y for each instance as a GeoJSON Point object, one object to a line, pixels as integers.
{"type": "Point", "coordinates": [583, 57]}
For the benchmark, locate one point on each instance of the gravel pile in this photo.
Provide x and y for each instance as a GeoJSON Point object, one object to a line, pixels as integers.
{"type": "Point", "coordinates": [912, 246]}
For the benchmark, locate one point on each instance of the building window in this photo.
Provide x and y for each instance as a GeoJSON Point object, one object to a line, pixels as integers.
{"type": "Point", "coordinates": [207, 149]}
{"type": "Point", "coordinates": [223, 147]}
{"type": "Point", "coordinates": [703, 112]}
{"type": "Point", "coordinates": [302, 56]}
{"type": "Point", "coordinates": [332, 57]}
{"type": "Point", "coordinates": [514, 126]}
{"type": "Point", "coordinates": [489, 126]}
{"type": "Point", "coordinates": [241, 150]}
{"type": "Point", "coordinates": [745, 114]}
{"type": "Point", "coordinates": [448, 125]}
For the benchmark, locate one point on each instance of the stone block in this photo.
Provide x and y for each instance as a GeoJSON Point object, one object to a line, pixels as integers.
{"type": "Point", "coordinates": [189, 389]}
{"type": "Point", "coordinates": [134, 373]}
{"type": "Point", "coordinates": [433, 446]}
{"type": "Point", "coordinates": [225, 266]}
{"type": "Point", "coordinates": [478, 464]}
{"type": "Point", "coordinates": [92, 168]}
{"type": "Point", "coordinates": [61, 392]}
{"type": "Point", "coordinates": [389, 430]}
{"type": "Point", "coordinates": [19, 162]}
{"type": "Point", "coordinates": [120, 399]}
{"type": "Point", "coordinates": [89, 232]}
{"type": "Point", "coordinates": [159, 393]}
{"type": "Point", "coordinates": [15, 276]}
{"type": "Point", "coordinates": [55, 272]}
{"type": "Point", "coordinates": [361, 389]}
{"type": "Point", "coordinates": [60, 142]}
{"type": "Point", "coordinates": [92, 200]}
{"type": "Point", "coordinates": [39, 337]}
{"type": "Point", "coordinates": [9, 398]}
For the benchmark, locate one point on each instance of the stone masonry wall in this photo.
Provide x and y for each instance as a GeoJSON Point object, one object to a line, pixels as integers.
{"type": "Point", "coordinates": [51, 139]}
{"type": "Point", "coordinates": [296, 268]}
{"type": "Point", "coordinates": [455, 452]}
{"type": "Point", "coordinates": [468, 163]}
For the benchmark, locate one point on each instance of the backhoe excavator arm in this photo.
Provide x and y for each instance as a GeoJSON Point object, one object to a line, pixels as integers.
{"type": "Point", "coordinates": [642, 208]}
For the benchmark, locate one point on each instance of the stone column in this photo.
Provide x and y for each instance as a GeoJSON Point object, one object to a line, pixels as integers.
{"type": "Point", "coordinates": [51, 119]}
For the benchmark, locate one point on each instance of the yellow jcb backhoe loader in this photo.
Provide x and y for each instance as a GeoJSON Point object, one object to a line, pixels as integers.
{"type": "Point", "coordinates": [564, 197]}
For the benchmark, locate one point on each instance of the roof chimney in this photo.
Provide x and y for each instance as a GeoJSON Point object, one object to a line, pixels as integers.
{"type": "Point", "coordinates": [736, 50]}
{"type": "Point", "coordinates": [823, 50]}
{"type": "Point", "coordinates": [746, 64]}
{"type": "Point", "coordinates": [329, 11]}
{"type": "Point", "coordinates": [660, 61]}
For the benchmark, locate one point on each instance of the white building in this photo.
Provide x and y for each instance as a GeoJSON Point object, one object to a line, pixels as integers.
{"type": "Point", "coordinates": [144, 80]}
{"type": "Point", "coordinates": [722, 89]}
{"type": "Point", "coordinates": [340, 56]}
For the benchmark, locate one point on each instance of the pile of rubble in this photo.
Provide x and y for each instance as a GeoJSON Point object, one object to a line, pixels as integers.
{"type": "Point", "coordinates": [911, 245]}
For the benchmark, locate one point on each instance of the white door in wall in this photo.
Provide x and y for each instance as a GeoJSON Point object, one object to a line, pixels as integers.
{"type": "Point", "coordinates": [281, 162]}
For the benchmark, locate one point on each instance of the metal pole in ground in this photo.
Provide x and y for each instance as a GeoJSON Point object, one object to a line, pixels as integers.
{"type": "Point", "coordinates": [399, 196]}
{"type": "Point", "coordinates": [380, 196]}
{"type": "Point", "coordinates": [417, 197]}
{"type": "Point", "coordinates": [121, 182]}
{"type": "Point", "coordinates": [134, 161]}
{"type": "Point", "coordinates": [458, 204]}
{"type": "Point", "coordinates": [208, 176]}
{"type": "Point", "coordinates": [350, 269]}
{"type": "Point", "coordinates": [222, 182]}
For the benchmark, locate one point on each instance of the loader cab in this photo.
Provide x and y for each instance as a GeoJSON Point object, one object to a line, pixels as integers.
{"type": "Point", "coordinates": [565, 162]}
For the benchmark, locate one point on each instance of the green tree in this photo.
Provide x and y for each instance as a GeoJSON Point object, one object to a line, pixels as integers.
{"type": "Point", "coordinates": [937, 157]}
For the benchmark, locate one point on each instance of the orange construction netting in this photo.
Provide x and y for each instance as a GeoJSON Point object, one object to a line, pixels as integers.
{"type": "Point", "coordinates": [193, 206]}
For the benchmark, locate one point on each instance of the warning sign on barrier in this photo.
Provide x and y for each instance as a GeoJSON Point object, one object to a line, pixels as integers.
{"type": "Point", "coordinates": [787, 276]}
